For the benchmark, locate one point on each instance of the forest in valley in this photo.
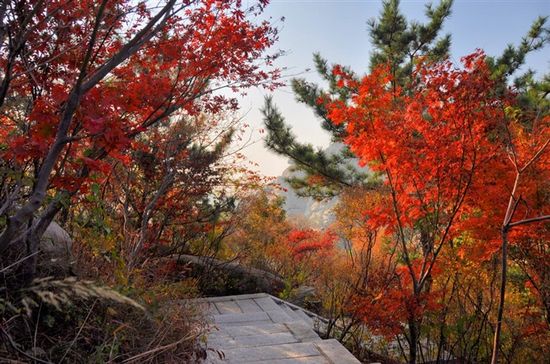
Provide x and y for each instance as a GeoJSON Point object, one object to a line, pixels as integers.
{"type": "Point", "coordinates": [125, 194]}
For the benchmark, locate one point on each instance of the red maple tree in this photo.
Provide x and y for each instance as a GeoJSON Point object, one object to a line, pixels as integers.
{"type": "Point", "coordinates": [80, 80]}
{"type": "Point", "coordinates": [437, 142]}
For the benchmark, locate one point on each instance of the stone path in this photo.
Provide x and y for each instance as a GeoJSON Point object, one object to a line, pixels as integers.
{"type": "Point", "coordinates": [260, 328]}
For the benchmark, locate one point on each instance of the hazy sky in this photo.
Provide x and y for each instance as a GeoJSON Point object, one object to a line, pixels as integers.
{"type": "Point", "coordinates": [337, 29]}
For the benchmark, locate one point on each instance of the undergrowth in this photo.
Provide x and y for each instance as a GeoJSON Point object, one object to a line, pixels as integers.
{"type": "Point", "coordinates": [95, 318]}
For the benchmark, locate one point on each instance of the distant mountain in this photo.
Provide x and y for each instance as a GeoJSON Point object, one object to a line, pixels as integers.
{"type": "Point", "coordinates": [316, 213]}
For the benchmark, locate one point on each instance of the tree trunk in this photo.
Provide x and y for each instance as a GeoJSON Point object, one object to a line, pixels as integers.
{"type": "Point", "coordinates": [28, 267]}
{"type": "Point", "coordinates": [84, 83]}
{"type": "Point", "coordinates": [413, 340]}
{"type": "Point", "coordinates": [498, 329]}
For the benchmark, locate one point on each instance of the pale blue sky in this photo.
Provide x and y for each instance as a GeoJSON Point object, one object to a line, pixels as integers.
{"type": "Point", "coordinates": [337, 29]}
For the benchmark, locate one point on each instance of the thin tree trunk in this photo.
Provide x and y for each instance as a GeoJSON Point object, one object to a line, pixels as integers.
{"type": "Point", "coordinates": [413, 341]}
{"type": "Point", "coordinates": [498, 329]}
{"type": "Point", "coordinates": [28, 268]}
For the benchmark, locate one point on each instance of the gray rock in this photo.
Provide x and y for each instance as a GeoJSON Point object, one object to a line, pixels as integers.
{"type": "Point", "coordinates": [56, 250]}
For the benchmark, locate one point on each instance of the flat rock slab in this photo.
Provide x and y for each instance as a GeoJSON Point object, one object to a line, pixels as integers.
{"type": "Point", "coordinates": [304, 360]}
{"type": "Point", "coordinates": [227, 307]}
{"type": "Point", "coordinates": [252, 340]}
{"type": "Point", "coordinates": [261, 354]}
{"type": "Point", "coordinates": [259, 328]}
{"type": "Point", "coordinates": [241, 318]}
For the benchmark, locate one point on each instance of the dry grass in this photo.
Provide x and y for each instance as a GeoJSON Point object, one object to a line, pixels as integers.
{"type": "Point", "coordinates": [94, 326]}
{"type": "Point", "coordinates": [87, 320]}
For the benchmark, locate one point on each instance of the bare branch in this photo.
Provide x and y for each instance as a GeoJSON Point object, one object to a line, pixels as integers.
{"type": "Point", "coordinates": [529, 221]}
{"type": "Point", "coordinates": [536, 156]}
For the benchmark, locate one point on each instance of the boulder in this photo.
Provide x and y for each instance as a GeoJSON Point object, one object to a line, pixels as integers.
{"type": "Point", "coordinates": [55, 250]}
{"type": "Point", "coordinates": [305, 296]}
{"type": "Point", "coordinates": [233, 276]}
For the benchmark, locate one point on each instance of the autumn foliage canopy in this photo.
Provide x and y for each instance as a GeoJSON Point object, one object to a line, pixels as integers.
{"type": "Point", "coordinates": [83, 81]}
{"type": "Point", "coordinates": [448, 146]}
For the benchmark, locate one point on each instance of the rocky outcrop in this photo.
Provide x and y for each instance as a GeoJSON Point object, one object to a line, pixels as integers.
{"type": "Point", "coordinates": [242, 279]}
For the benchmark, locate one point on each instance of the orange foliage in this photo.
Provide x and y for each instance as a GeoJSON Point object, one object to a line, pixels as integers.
{"type": "Point", "coordinates": [442, 144]}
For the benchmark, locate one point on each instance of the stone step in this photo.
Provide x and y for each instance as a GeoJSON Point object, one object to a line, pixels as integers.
{"type": "Point", "coordinates": [225, 307]}
{"type": "Point", "coordinates": [289, 311]}
{"type": "Point", "coordinates": [237, 304]}
{"type": "Point", "coordinates": [262, 354]}
{"type": "Point", "coordinates": [300, 330]}
{"type": "Point", "coordinates": [273, 316]}
{"type": "Point", "coordinates": [240, 318]}
{"type": "Point", "coordinates": [336, 352]}
{"type": "Point", "coordinates": [236, 319]}
{"type": "Point", "coordinates": [297, 314]}
{"type": "Point", "coordinates": [249, 305]}
{"type": "Point", "coordinates": [227, 342]}
{"type": "Point", "coordinates": [325, 351]}
{"type": "Point", "coordinates": [232, 298]}
{"type": "Point", "coordinates": [255, 329]}
{"type": "Point", "coordinates": [267, 303]}
{"type": "Point", "coordinates": [303, 331]}
{"type": "Point", "coordinates": [303, 316]}
{"type": "Point", "coordinates": [259, 328]}
{"type": "Point", "coordinates": [306, 360]}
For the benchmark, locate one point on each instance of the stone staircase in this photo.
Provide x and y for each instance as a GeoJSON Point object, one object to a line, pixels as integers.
{"type": "Point", "coordinates": [259, 328]}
